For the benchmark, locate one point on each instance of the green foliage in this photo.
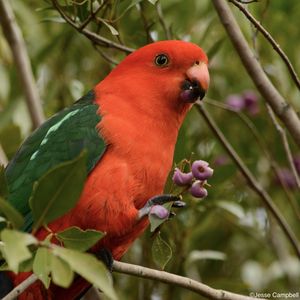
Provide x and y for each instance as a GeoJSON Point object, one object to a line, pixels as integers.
{"type": "Point", "coordinates": [65, 181]}
{"type": "Point", "coordinates": [89, 267]}
{"type": "Point", "coordinates": [61, 272]}
{"type": "Point", "coordinates": [15, 247]}
{"type": "Point", "coordinates": [3, 183]}
{"type": "Point", "coordinates": [42, 265]}
{"type": "Point", "coordinates": [12, 215]}
{"type": "Point", "coordinates": [232, 220]}
{"type": "Point", "coordinates": [78, 239]}
{"type": "Point", "coordinates": [155, 222]}
{"type": "Point", "coordinates": [53, 195]}
{"type": "Point", "coordinates": [161, 252]}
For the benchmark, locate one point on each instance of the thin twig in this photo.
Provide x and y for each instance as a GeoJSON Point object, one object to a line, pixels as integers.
{"type": "Point", "coordinates": [190, 284]}
{"type": "Point", "coordinates": [263, 146]}
{"type": "Point", "coordinates": [105, 56]}
{"type": "Point", "coordinates": [256, 31]}
{"type": "Point", "coordinates": [19, 289]}
{"type": "Point", "coordinates": [147, 26]}
{"type": "Point", "coordinates": [271, 40]}
{"type": "Point", "coordinates": [16, 42]}
{"type": "Point", "coordinates": [253, 183]}
{"type": "Point", "coordinates": [282, 109]}
{"type": "Point", "coordinates": [285, 143]}
{"type": "Point", "coordinates": [3, 157]}
{"type": "Point", "coordinates": [95, 38]}
{"type": "Point", "coordinates": [91, 15]}
{"type": "Point", "coordinates": [162, 20]}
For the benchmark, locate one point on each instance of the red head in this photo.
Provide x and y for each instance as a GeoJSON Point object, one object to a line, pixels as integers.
{"type": "Point", "coordinates": [166, 74]}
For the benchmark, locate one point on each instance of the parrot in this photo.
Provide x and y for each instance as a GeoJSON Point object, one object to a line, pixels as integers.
{"type": "Point", "coordinates": [128, 124]}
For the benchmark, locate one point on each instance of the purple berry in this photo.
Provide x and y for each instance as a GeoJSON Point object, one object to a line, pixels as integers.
{"type": "Point", "coordinates": [201, 170]}
{"type": "Point", "coordinates": [235, 102]}
{"type": "Point", "coordinates": [287, 177]}
{"type": "Point", "coordinates": [159, 211]}
{"type": "Point", "coordinates": [182, 179]}
{"type": "Point", "coordinates": [296, 161]}
{"type": "Point", "coordinates": [221, 160]}
{"type": "Point", "coordinates": [251, 102]}
{"type": "Point", "coordinates": [197, 189]}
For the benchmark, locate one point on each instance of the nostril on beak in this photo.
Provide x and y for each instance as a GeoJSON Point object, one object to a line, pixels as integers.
{"type": "Point", "coordinates": [199, 73]}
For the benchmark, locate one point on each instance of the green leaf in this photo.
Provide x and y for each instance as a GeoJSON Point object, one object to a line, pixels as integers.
{"type": "Point", "coordinates": [3, 183]}
{"type": "Point", "coordinates": [14, 247]}
{"type": "Point", "coordinates": [155, 222]}
{"type": "Point", "coordinates": [11, 214]}
{"type": "Point", "coordinates": [111, 28]}
{"type": "Point", "coordinates": [61, 272]}
{"type": "Point", "coordinates": [58, 191]}
{"type": "Point", "coordinates": [161, 252]}
{"type": "Point", "coordinates": [42, 265]}
{"type": "Point", "coordinates": [89, 267]}
{"type": "Point", "coordinates": [153, 1]}
{"type": "Point", "coordinates": [78, 239]}
{"type": "Point", "coordinates": [233, 208]}
{"type": "Point", "coordinates": [2, 220]}
{"type": "Point", "coordinates": [26, 266]}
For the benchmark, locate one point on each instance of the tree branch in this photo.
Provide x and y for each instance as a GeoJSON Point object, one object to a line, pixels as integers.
{"type": "Point", "coordinates": [262, 144]}
{"type": "Point", "coordinates": [16, 42]}
{"type": "Point", "coordinates": [13, 294]}
{"type": "Point", "coordinates": [271, 40]}
{"type": "Point", "coordinates": [95, 38]}
{"type": "Point", "coordinates": [187, 283]}
{"type": "Point", "coordinates": [143, 272]}
{"type": "Point", "coordinates": [282, 109]}
{"type": "Point", "coordinates": [253, 183]}
{"type": "Point", "coordinates": [285, 143]}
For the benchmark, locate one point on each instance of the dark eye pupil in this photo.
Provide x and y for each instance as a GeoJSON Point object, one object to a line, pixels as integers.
{"type": "Point", "coordinates": [161, 60]}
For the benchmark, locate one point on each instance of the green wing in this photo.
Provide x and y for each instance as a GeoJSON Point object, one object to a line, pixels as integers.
{"type": "Point", "coordinates": [59, 139]}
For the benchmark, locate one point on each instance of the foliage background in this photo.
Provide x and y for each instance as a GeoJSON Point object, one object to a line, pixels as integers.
{"type": "Point", "coordinates": [252, 253]}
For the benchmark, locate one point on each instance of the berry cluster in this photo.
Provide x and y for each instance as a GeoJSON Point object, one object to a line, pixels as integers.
{"type": "Point", "coordinates": [247, 102]}
{"type": "Point", "coordinates": [196, 179]}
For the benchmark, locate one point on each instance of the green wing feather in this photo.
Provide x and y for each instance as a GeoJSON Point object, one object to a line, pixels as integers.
{"type": "Point", "coordinates": [59, 139]}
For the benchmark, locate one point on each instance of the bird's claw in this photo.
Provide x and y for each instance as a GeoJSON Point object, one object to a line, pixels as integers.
{"type": "Point", "coordinates": [154, 206]}
{"type": "Point", "coordinates": [162, 199]}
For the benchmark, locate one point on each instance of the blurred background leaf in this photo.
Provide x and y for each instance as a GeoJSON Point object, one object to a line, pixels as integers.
{"type": "Point", "coordinates": [231, 222]}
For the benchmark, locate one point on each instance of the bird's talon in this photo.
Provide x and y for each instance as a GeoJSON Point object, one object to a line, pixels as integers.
{"type": "Point", "coordinates": [154, 205]}
{"type": "Point", "coordinates": [179, 204]}
{"type": "Point", "coordinates": [171, 215]}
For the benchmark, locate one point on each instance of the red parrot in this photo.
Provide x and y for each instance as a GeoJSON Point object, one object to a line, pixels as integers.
{"type": "Point", "coordinates": [128, 125]}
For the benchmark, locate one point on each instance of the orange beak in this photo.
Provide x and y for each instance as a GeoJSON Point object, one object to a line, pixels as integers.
{"type": "Point", "coordinates": [199, 73]}
{"type": "Point", "coordinates": [196, 83]}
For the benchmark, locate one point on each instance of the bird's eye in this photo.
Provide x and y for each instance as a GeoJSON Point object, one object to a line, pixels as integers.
{"type": "Point", "coordinates": [161, 60]}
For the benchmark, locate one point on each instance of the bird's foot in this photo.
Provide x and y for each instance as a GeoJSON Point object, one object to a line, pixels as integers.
{"type": "Point", "coordinates": [106, 257]}
{"type": "Point", "coordinates": [155, 206]}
